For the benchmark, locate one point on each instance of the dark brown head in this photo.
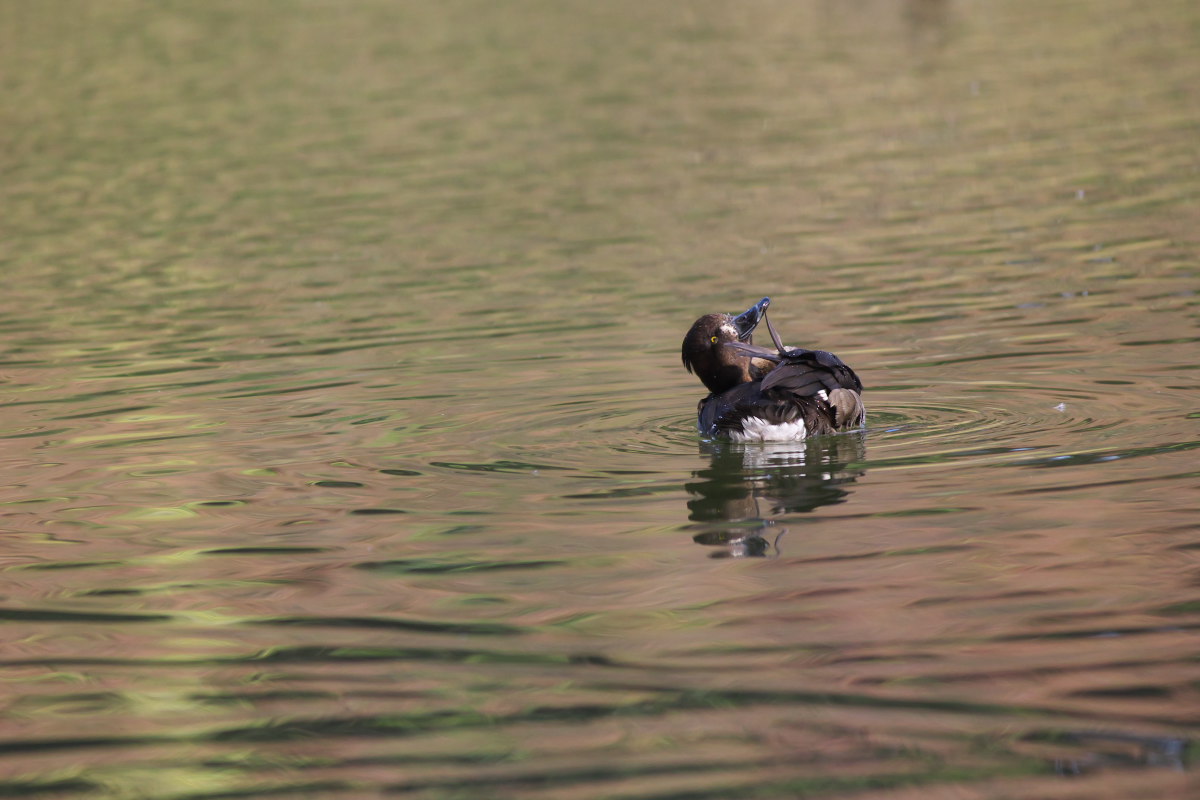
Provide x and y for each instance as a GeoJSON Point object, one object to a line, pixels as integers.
{"type": "Point", "coordinates": [704, 352]}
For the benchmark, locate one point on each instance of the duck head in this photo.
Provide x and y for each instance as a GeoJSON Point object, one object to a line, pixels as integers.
{"type": "Point", "coordinates": [705, 353]}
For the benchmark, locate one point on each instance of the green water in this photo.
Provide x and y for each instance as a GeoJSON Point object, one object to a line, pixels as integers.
{"type": "Point", "coordinates": [347, 451]}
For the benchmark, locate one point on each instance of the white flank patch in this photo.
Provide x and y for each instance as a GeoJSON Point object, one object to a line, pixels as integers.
{"type": "Point", "coordinates": [823, 395]}
{"type": "Point", "coordinates": [755, 429]}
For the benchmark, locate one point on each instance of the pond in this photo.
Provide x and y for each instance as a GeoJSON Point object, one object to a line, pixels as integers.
{"type": "Point", "coordinates": [347, 450]}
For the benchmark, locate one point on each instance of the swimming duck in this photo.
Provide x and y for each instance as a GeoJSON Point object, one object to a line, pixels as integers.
{"type": "Point", "coordinates": [762, 395]}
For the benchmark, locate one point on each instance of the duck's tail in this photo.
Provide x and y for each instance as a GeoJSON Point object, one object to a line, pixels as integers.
{"type": "Point", "coordinates": [848, 409]}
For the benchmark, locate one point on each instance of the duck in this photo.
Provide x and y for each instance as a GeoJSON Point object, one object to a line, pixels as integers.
{"type": "Point", "coordinates": [759, 394]}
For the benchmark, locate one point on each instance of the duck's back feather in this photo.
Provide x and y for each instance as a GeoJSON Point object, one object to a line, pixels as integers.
{"type": "Point", "coordinates": [810, 392]}
{"type": "Point", "coordinates": [806, 372]}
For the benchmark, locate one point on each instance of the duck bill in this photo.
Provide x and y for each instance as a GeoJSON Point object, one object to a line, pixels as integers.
{"type": "Point", "coordinates": [748, 320]}
{"type": "Point", "coordinates": [754, 351]}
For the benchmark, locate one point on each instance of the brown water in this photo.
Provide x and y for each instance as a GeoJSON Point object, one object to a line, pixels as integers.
{"type": "Point", "coordinates": [347, 452]}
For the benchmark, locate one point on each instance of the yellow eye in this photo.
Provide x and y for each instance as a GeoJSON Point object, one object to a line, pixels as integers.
{"type": "Point", "coordinates": [714, 340]}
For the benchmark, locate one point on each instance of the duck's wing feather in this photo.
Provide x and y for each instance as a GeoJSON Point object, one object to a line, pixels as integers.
{"type": "Point", "coordinates": [810, 385]}
{"type": "Point", "coordinates": [805, 373]}
{"type": "Point", "coordinates": [823, 385]}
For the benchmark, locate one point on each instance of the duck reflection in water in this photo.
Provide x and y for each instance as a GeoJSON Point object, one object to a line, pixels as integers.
{"type": "Point", "coordinates": [784, 426]}
{"type": "Point", "coordinates": [736, 499]}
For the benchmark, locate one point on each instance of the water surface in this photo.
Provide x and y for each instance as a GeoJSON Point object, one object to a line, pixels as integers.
{"type": "Point", "coordinates": [347, 450]}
